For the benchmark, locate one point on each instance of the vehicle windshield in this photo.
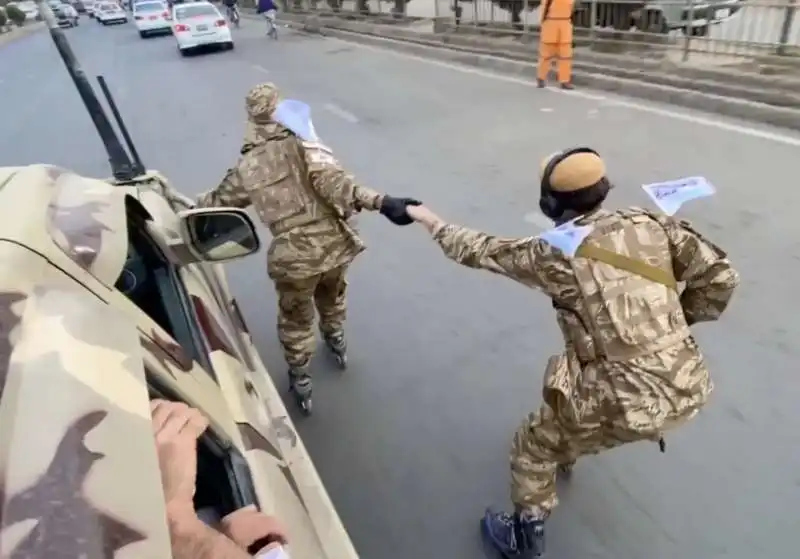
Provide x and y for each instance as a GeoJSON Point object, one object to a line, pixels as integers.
{"type": "Point", "coordinates": [149, 7]}
{"type": "Point", "coordinates": [107, 8]}
{"type": "Point", "coordinates": [195, 11]}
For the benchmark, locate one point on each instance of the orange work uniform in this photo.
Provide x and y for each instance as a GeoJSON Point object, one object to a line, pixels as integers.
{"type": "Point", "coordinates": [555, 41]}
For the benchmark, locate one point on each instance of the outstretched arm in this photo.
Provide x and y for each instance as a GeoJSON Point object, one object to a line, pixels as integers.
{"type": "Point", "coordinates": [191, 539]}
{"type": "Point", "coordinates": [335, 185]}
{"type": "Point", "coordinates": [230, 193]}
{"type": "Point", "coordinates": [512, 258]}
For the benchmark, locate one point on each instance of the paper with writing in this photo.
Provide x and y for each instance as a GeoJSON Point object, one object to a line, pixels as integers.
{"type": "Point", "coordinates": [671, 195]}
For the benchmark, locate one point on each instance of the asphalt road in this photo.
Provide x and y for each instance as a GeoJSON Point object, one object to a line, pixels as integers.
{"type": "Point", "coordinates": [412, 440]}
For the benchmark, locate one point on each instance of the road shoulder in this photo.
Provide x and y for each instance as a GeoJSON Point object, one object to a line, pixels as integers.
{"type": "Point", "coordinates": [20, 32]}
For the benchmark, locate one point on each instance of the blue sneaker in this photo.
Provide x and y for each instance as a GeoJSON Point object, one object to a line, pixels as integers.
{"type": "Point", "coordinates": [514, 537]}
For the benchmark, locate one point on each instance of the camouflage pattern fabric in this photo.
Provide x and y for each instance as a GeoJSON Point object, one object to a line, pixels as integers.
{"type": "Point", "coordinates": [306, 208]}
{"type": "Point", "coordinates": [631, 369]}
{"type": "Point", "coordinates": [307, 200]}
{"type": "Point", "coordinates": [296, 302]}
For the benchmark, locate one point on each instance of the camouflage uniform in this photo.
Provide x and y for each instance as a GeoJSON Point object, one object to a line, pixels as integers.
{"type": "Point", "coordinates": [631, 368]}
{"type": "Point", "coordinates": [305, 198]}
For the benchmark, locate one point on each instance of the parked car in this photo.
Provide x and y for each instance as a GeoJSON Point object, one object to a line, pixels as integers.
{"type": "Point", "coordinates": [89, 5]}
{"type": "Point", "coordinates": [66, 16]}
{"type": "Point", "coordinates": [199, 24]}
{"type": "Point", "coordinates": [657, 16]}
{"type": "Point", "coordinates": [152, 18]}
{"type": "Point", "coordinates": [54, 5]}
{"type": "Point", "coordinates": [109, 13]}
{"type": "Point", "coordinates": [79, 6]}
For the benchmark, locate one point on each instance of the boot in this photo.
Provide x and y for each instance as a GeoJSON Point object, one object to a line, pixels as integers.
{"type": "Point", "coordinates": [300, 387]}
{"type": "Point", "coordinates": [540, 83]}
{"type": "Point", "coordinates": [337, 345]}
{"type": "Point", "coordinates": [514, 536]}
{"type": "Point", "coordinates": [567, 85]}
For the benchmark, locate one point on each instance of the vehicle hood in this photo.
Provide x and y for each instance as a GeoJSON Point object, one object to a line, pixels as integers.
{"type": "Point", "coordinates": [74, 423]}
{"type": "Point", "coordinates": [84, 218]}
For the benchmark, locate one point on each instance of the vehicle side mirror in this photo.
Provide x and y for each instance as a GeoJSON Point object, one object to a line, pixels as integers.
{"type": "Point", "coordinates": [219, 234]}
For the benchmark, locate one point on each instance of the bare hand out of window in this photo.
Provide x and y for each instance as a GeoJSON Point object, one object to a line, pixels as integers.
{"type": "Point", "coordinates": [177, 427]}
{"type": "Point", "coordinates": [247, 525]}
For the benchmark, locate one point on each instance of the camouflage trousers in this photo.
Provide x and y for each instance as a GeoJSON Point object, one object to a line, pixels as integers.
{"type": "Point", "coordinates": [558, 434]}
{"type": "Point", "coordinates": [297, 300]}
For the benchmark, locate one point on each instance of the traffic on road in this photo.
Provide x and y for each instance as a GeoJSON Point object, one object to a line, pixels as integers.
{"type": "Point", "coordinates": [412, 440]}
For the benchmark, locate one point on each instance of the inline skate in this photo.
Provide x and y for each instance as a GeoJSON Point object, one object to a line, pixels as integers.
{"type": "Point", "coordinates": [300, 387]}
{"type": "Point", "coordinates": [337, 345]}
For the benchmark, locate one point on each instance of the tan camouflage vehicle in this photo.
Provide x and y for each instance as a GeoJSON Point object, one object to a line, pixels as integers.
{"type": "Point", "coordinates": [109, 298]}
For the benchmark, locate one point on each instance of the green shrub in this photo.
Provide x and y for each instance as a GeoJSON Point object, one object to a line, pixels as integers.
{"type": "Point", "coordinates": [3, 19]}
{"type": "Point", "coordinates": [16, 15]}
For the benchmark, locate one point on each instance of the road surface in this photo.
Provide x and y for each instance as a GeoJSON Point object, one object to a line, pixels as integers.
{"type": "Point", "coordinates": [412, 441]}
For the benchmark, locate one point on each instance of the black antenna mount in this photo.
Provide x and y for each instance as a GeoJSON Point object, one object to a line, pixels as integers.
{"type": "Point", "coordinates": [122, 167]}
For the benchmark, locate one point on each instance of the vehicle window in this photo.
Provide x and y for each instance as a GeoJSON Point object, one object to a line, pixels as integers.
{"type": "Point", "coordinates": [195, 11]}
{"type": "Point", "coordinates": [224, 483]}
{"type": "Point", "coordinates": [149, 7]}
{"type": "Point", "coordinates": [151, 283]}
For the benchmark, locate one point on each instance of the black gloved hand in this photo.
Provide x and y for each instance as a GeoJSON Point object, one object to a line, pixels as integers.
{"type": "Point", "coordinates": [394, 209]}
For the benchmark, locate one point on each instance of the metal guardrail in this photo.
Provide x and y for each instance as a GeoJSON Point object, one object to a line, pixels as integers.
{"type": "Point", "coordinates": [727, 31]}
{"type": "Point", "coordinates": [734, 28]}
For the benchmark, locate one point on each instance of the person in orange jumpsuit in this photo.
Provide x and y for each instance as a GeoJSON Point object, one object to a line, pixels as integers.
{"type": "Point", "coordinates": [555, 41]}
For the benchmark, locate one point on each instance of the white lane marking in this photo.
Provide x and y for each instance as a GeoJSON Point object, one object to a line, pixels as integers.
{"type": "Point", "coordinates": [667, 113]}
{"type": "Point", "coordinates": [259, 68]}
{"type": "Point", "coordinates": [341, 113]}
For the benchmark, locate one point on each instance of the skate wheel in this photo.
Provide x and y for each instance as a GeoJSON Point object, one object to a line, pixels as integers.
{"type": "Point", "coordinates": [341, 360]}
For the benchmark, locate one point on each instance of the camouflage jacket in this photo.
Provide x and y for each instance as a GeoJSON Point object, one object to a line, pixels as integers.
{"type": "Point", "coordinates": [605, 312]}
{"type": "Point", "coordinates": [304, 199]}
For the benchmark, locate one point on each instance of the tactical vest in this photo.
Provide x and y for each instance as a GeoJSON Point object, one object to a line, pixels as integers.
{"type": "Point", "coordinates": [283, 198]}
{"type": "Point", "coordinates": [631, 304]}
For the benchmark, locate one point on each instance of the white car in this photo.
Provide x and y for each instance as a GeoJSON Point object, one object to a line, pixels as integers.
{"type": "Point", "coordinates": [90, 6]}
{"type": "Point", "coordinates": [108, 13]}
{"type": "Point", "coordinates": [197, 24]}
{"type": "Point", "coordinates": [152, 17]}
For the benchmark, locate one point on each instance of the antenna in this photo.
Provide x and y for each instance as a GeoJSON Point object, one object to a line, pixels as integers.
{"type": "Point", "coordinates": [137, 161]}
{"type": "Point", "coordinates": [121, 166]}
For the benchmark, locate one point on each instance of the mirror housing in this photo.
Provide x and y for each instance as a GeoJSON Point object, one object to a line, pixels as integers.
{"type": "Point", "coordinates": [218, 234]}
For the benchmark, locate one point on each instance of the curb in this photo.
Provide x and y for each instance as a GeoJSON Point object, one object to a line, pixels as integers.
{"type": "Point", "coordinates": [526, 48]}
{"type": "Point", "coordinates": [715, 97]}
{"type": "Point", "coordinates": [18, 33]}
